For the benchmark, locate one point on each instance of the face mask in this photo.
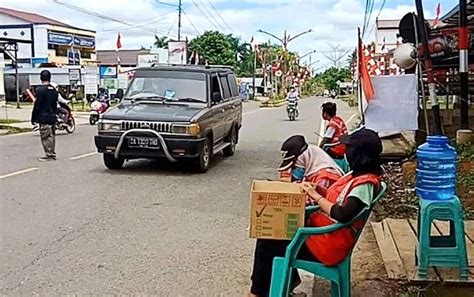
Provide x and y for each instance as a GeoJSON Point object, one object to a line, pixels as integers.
{"type": "Point", "coordinates": [297, 173]}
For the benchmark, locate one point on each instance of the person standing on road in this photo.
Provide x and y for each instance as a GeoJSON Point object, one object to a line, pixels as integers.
{"type": "Point", "coordinates": [45, 114]}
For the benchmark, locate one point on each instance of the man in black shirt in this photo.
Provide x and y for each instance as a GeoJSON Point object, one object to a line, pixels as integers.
{"type": "Point", "coordinates": [45, 114]}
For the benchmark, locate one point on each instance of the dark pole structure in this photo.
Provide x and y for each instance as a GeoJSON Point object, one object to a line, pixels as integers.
{"type": "Point", "coordinates": [429, 69]}
{"type": "Point", "coordinates": [463, 63]}
{"type": "Point", "coordinates": [180, 10]}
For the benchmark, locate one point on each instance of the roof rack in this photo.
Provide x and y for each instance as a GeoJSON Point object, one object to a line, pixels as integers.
{"type": "Point", "coordinates": [192, 65]}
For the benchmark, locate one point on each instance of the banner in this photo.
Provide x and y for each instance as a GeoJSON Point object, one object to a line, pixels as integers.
{"type": "Point", "coordinates": [148, 60]}
{"type": "Point", "coordinates": [394, 107]}
{"type": "Point", "coordinates": [91, 80]}
{"type": "Point", "coordinates": [177, 52]}
{"type": "Point", "coordinates": [107, 71]}
{"type": "Point", "coordinates": [70, 40]}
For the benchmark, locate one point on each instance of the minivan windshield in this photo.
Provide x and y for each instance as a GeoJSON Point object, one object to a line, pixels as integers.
{"type": "Point", "coordinates": [169, 86]}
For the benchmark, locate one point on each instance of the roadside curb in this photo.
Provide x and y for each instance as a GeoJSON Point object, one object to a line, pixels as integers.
{"type": "Point", "coordinates": [270, 104]}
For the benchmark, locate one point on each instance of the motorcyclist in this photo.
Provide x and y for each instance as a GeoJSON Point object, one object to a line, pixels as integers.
{"type": "Point", "coordinates": [292, 97]}
{"type": "Point", "coordinates": [63, 108]}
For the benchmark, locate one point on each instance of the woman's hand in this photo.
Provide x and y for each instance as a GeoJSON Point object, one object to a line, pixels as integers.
{"type": "Point", "coordinates": [309, 190]}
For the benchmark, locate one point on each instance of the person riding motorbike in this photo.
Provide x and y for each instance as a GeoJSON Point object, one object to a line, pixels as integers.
{"type": "Point", "coordinates": [63, 108]}
{"type": "Point", "coordinates": [292, 97]}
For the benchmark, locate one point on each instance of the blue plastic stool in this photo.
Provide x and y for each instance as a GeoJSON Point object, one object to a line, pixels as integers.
{"type": "Point", "coordinates": [441, 251]}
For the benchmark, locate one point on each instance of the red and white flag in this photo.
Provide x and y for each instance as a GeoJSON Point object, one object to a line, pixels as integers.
{"type": "Point", "coordinates": [366, 82]}
{"type": "Point", "coordinates": [438, 13]}
{"type": "Point", "coordinates": [254, 45]}
{"type": "Point", "coordinates": [118, 46]}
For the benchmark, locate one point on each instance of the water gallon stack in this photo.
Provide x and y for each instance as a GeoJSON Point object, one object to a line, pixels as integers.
{"type": "Point", "coordinates": [436, 189]}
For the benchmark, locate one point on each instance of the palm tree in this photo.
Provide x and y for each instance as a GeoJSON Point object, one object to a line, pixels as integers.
{"type": "Point", "coordinates": [161, 42]}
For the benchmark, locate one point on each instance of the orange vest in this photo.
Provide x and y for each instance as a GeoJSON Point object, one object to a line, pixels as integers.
{"type": "Point", "coordinates": [340, 129]}
{"type": "Point", "coordinates": [331, 248]}
{"type": "Point", "coordinates": [324, 176]}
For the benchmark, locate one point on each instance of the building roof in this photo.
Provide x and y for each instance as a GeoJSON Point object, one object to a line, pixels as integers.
{"type": "Point", "coordinates": [452, 17]}
{"type": "Point", "coordinates": [127, 57]}
{"type": "Point", "coordinates": [37, 19]}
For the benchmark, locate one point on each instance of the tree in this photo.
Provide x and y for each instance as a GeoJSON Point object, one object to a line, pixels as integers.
{"type": "Point", "coordinates": [331, 76]}
{"type": "Point", "coordinates": [215, 48]}
{"type": "Point", "coordinates": [161, 42]}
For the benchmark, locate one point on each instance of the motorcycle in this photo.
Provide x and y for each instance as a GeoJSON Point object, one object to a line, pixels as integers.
{"type": "Point", "coordinates": [64, 121]}
{"type": "Point", "coordinates": [98, 107]}
{"type": "Point", "coordinates": [292, 110]}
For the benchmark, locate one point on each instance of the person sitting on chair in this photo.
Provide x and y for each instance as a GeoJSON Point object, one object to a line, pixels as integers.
{"type": "Point", "coordinates": [344, 200]}
{"type": "Point", "coordinates": [308, 163]}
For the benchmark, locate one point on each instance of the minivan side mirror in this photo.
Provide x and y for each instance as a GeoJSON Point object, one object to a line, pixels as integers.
{"type": "Point", "coordinates": [216, 97]}
{"type": "Point", "coordinates": [119, 94]}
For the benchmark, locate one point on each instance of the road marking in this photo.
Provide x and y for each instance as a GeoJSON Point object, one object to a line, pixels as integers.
{"type": "Point", "coordinates": [352, 118]}
{"type": "Point", "coordinates": [15, 173]}
{"type": "Point", "coordinates": [321, 132]}
{"type": "Point", "coordinates": [83, 156]}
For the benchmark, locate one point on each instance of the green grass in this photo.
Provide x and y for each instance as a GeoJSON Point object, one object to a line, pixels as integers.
{"type": "Point", "coordinates": [14, 130]}
{"type": "Point", "coordinates": [9, 121]}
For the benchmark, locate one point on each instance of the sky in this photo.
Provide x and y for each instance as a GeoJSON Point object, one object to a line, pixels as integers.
{"type": "Point", "coordinates": [334, 22]}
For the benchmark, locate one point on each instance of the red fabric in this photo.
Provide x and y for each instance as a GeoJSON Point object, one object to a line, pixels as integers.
{"type": "Point", "coordinates": [331, 248]}
{"type": "Point", "coordinates": [364, 73]}
{"type": "Point", "coordinates": [340, 127]}
{"type": "Point", "coordinates": [119, 42]}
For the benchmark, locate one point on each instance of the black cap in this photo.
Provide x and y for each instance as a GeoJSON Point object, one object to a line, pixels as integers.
{"type": "Point", "coordinates": [291, 149]}
{"type": "Point", "coordinates": [364, 140]}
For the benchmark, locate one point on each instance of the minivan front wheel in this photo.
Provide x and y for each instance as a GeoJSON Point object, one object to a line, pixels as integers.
{"type": "Point", "coordinates": [112, 163]}
{"type": "Point", "coordinates": [202, 163]}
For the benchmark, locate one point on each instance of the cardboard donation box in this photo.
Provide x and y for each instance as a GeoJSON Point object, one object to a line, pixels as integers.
{"type": "Point", "coordinates": [276, 209]}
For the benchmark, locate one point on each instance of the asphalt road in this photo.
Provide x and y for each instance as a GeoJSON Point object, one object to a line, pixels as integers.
{"type": "Point", "coordinates": [74, 227]}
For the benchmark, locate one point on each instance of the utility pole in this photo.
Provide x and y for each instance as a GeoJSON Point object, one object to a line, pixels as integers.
{"type": "Point", "coordinates": [180, 10]}
{"type": "Point", "coordinates": [17, 82]}
{"type": "Point", "coordinates": [429, 69]}
{"type": "Point", "coordinates": [463, 63]}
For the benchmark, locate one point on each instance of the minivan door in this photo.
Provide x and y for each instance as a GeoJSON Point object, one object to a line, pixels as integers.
{"type": "Point", "coordinates": [217, 109]}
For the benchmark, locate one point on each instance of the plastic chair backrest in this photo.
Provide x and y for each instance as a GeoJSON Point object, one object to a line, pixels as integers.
{"type": "Point", "coordinates": [365, 213]}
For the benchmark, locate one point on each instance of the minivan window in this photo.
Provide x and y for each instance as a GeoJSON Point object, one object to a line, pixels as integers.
{"type": "Point", "coordinates": [234, 89]}
{"type": "Point", "coordinates": [170, 85]}
{"type": "Point", "coordinates": [225, 87]}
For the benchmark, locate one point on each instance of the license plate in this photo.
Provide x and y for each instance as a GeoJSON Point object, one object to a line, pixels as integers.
{"type": "Point", "coordinates": [144, 142]}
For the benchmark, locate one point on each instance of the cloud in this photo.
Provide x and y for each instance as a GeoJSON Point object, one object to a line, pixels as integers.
{"type": "Point", "coordinates": [333, 22]}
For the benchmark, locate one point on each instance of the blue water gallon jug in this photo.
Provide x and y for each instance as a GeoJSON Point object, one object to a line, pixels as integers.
{"type": "Point", "coordinates": [436, 169]}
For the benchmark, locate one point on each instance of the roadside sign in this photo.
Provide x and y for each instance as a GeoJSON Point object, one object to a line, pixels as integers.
{"type": "Point", "coordinates": [74, 74]}
{"type": "Point", "coordinates": [148, 60]}
{"type": "Point", "coordinates": [91, 80]}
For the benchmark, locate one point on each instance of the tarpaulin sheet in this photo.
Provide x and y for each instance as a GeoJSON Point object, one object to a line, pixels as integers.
{"type": "Point", "coordinates": [395, 104]}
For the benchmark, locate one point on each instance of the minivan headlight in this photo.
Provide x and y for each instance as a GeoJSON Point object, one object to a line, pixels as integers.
{"type": "Point", "coordinates": [191, 129]}
{"type": "Point", "coordinates": [110, 126]}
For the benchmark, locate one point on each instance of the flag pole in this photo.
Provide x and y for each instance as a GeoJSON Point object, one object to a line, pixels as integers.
{"type": "Point", "coordinates": [359, 81]}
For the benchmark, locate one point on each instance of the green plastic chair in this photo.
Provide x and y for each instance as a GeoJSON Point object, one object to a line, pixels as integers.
{"type": "Point", "coordinates": [339, 275]}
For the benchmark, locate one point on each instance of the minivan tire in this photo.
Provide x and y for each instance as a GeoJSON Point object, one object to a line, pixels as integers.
{"type": "Point", "coordinates": [202, 163]}
{"type": "Point", "coordinates": [112, 163]}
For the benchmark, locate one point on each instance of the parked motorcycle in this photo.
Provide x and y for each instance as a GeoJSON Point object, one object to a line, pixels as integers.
{"type": "Point", "coordinates": [292, 110]}
{"type": "Point", "coordinates": [98, 107]}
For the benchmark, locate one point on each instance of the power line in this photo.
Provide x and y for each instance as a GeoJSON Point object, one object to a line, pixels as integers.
{"type": "Point", "coordinates": [143, 25]}
{"type": "Point", "coordinates": [101, 16]}
{"type": "Point", "coordinates": [205, 15]}
{"type": "Point", "coordinates": [378, 14]}
{"type": "Point", "coordinates": [190, 22]}
{"type": "Point", "coordinates": [208, 12]}
{"type": "Point", "coordinates": [219, 15]}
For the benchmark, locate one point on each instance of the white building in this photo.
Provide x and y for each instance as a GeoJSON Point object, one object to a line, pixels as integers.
{"type": "Point", "coordinates": [44, 40]}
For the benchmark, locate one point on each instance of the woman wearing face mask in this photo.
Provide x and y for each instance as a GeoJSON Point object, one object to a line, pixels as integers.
{"type": "Point", "coordinates": [308, 163]}
{"type": "Point", "coordinates": [344, 200]}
